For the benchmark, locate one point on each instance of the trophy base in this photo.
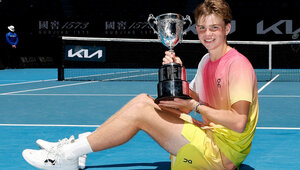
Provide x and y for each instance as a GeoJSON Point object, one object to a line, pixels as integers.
{"type": "Point", "coordinates": [170, 98]}
{"type": "Point", "coordinates": [170, 89]}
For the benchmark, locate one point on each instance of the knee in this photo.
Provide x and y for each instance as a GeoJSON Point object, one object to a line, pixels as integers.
{"type": "Point", "coordinates": [142, 104]}
{"type": "Point", "coordinates": [142, 101]}
{"type": "Point", "coordinates": [143, 97]}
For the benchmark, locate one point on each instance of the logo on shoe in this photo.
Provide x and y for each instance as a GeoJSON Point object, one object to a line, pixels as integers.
{"type": "Point", "coordinates": [187, 161]}
{"type": "Point", "coordinates": [49, 161]}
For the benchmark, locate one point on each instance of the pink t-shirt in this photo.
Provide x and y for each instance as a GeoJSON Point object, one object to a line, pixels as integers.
{"type": "Point", "coordinates": [227, 80]}
{"type": "Point", "coordinates": [221, 83]}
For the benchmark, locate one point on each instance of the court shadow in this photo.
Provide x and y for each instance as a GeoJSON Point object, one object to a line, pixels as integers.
{"type": "Point", "coordinates": [246, 167]}
{"type": "Point", "coordinates": [158, 165]}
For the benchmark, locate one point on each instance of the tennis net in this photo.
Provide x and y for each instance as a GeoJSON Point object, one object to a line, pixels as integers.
{"type": "Point", "coordinates": [124, 59]}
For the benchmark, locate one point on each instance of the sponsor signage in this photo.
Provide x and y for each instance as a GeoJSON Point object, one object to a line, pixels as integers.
{"type": "Point", "coordinates": [85, 53]}
{"type": "Point", "coordinates": [280, 27]}
{"type": "Point", "coordinates": [56, 27]}
{"type": "Point", "coordinates": [122, 27]}
{"type": "Point", "coordinates": [253, 29]}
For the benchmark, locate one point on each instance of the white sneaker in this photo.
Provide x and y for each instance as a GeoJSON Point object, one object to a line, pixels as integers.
{"type": "Point", "coordinates": [49, 160]}
{"type": "Point", "coordinates": [49, 145]}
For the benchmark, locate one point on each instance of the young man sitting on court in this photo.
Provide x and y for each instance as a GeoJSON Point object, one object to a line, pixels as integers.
{"type": "Point", "coordinates": [224, 92]}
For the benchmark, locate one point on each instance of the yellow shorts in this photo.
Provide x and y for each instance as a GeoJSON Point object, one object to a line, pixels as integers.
{"type": "Point", "coordinates": [200, 153]}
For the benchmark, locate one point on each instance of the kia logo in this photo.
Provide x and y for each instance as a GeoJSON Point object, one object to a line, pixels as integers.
{"type": "Point", "coordinates": [84, 53]}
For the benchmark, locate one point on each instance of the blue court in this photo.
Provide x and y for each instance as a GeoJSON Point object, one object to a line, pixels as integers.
{"type": "Point", "coordinates": [35, 105]}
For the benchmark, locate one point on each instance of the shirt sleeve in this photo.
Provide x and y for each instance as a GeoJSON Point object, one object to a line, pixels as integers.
{"type": "Point", "coordinates": [196, 84]}
{"type": "Point", "coordinates": [241, 81]}
{"type": "Point", "coordinates": [192, 84]}
{"type": "Point", "coordinates": [17, 39]}
{"type": "Point", "coordinates": [8, 40]}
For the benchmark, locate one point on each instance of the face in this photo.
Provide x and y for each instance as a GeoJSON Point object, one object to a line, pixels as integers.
{"type": "Point", "coordinates": [212, 31]}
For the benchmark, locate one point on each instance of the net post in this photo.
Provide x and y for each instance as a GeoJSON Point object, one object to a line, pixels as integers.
{"type": "Point", "coordinates": [270, 56]}
{"type": "Point", "coordinates": [270, 60]}
{"type": "Point", "coordinates": [60, 68]}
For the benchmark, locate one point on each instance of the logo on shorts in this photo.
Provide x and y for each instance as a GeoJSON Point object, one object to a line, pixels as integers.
{"type": "Point", "coordinates": [187, 161]}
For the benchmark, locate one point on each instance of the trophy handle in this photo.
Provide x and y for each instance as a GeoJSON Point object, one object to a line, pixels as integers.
{"type": "Point", "coordinates": [187, 18]}
{"type": "Point", "coordinates": [151, 21]}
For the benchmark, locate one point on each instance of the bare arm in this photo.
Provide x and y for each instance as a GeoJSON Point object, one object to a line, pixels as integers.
{"type": "Point", "coordinates": [194, 95]}
{"type": "Point", "coordinates": [235, 119]}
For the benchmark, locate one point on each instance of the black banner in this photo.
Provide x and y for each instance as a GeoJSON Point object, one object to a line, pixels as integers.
{"type": "Point", "coordinates": [39, 24]}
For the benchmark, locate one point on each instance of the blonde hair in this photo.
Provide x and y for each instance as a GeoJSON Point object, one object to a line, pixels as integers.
{"type": "Point", "coordinates": [218, 7]}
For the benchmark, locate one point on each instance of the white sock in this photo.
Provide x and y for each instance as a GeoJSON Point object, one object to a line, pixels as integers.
{"type": "Point", "coordinates": [84, 135]}
{"type": "Point", "coordinates": [80, 147]}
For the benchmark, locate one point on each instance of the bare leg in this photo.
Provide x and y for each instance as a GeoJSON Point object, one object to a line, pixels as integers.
{"type": "Point", "coordinates": [141, 113]}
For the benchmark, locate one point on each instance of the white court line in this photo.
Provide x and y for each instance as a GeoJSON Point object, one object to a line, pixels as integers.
{"type": "Point", "coordinates": [109, 95]}
{"type": "Point", "coordinates": [60, 125]}
{"type": "Point", "coordinates": [124, 95]}
{"type": "Point", "coordinates": [280, 96]}
{"type": "Point", "coordinates": [278, 128]}
{"type": "Point", "coordinates": [45, 88]}
{"type": "Point", "coordinates": [126, 77]}
{"type": "Point", "coordinates": [26, 82]}
{"type": "Point", "coordinates": [47, 125]}
{"type": "Point", "coordinates": [37, 81]}
{"type": "Point", "coordinates": [264, 86]}
{"type": "Point", "coordinates": [104, 74]}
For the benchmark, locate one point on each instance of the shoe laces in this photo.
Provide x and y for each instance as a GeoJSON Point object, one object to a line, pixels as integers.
{"type": "Point", "coordinates": [65, 141]}
{"type": "Point", "coordinates": [55, 152]}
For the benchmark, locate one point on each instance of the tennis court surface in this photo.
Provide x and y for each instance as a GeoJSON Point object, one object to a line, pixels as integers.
{"type": "Point", "coordinates": [35, 105]}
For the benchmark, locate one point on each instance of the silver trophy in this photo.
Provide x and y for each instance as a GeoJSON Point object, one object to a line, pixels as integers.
{"type": "Point", "coordinates": [172, 77]}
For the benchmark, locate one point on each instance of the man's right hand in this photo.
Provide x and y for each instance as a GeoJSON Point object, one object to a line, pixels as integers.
{"type": "Point", "coordinates": [170, 57]}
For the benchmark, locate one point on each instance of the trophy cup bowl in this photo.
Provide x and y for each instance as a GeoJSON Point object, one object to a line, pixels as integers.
{"type": "Point", "coordinates": [172, 77]}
